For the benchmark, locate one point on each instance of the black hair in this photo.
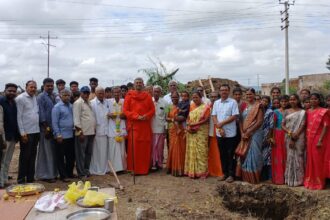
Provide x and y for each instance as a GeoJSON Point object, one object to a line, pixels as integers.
{"type": "Point", "coordinates": [185, 91]}
{"type": "Point", "coordinates": [93, 79]}
{"type": "Point", "coordinates": [175, 92]}
{"type": "Point", "coordinates": [298, 98]}
{"type": "Point", "coordinates": [319, 97]}
{"type": "Point", "coordinates": [198, 93]}
{"type": "Point", "coordinates": [74, 83]}
{"type": "Point", "coordinates": [130, 84]}
{"type": "Point", "coordinates": [30, 81]}
{"type": "Point", "coordinates": [273, 107]}
{"type": "Point", "coordinates": [124, 87]}
{"type": "Point", "coordinates": [268, 99]}
{"type": "Point", "coordinates": [108, 89]}
{"type": "Point", "coordinates": [237, 89]}
{"type": "Point", "coordinates": [251, 90]}
{"type": "Point", "coordinates": [11, 85]}
{"type": "Point", "coordinates": [47, 80]}
{"type": "Point", "coordinates": [225, 85]}
{"type": "Point", "coordinates": [275, 88]}
{"type": "Point", "coordinates": [76, 94]}
{"type": "Point", "coordinates": [285, 97]}
{"type": "Point", "coordinates": [60, 81]}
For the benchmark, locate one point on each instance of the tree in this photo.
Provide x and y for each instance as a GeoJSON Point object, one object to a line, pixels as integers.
{"type": "Point", "coordinates": [328, 63]}
{"type": "Point", "coordinates": [159, 75]}
{"type": "Point", "coordinates": [326, 85]}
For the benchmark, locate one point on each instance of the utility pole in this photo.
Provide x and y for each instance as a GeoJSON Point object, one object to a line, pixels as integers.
{"type": "Point", "coordinates": [48, 50]}
{"type": "Point", "coordinates": [285, 20]}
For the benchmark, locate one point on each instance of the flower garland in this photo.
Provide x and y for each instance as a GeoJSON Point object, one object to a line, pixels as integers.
{"type": "Point", "coordinates": [118, 107]}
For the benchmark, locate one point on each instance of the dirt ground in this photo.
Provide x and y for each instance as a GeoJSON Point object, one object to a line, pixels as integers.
{"type": "Point", "coordinates": [184, 198]}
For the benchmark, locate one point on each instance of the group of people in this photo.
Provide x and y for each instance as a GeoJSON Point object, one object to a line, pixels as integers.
{"type": "Point", "coordinates": [278, 138]}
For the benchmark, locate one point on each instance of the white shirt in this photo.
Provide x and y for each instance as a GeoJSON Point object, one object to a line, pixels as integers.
{"type": "Point", "coordinates": [158, 121]}
{"type": "Point", "coordinates": [224, 109]}
{"type": "Point", "coordinates": [83, 116]}
{"type": "Point", "coordinates": [168, 98]}
{"type": "Point", "coordinates": [101, 110]}
{"type": "Point", "coordinates": [115, 107]}
{"type": "Point", "coordinates": [27, 114]}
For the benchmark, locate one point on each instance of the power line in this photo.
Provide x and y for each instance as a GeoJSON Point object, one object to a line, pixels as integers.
{"type": "Point", "coordinates": [48, 49]}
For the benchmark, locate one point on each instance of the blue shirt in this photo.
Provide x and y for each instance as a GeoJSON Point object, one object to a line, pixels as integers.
{"type": "Point", "coordinates": [46, 103]}
{"type": "Point", "coordinates": [10, 119]}
{"type": "Point", "coordinates": [62, 120]}
{"type": "Point", "coordinates": [224, 109]}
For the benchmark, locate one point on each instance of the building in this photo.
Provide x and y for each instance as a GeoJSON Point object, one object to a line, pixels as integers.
{"type": "Point", "coordinates": [313, 82]}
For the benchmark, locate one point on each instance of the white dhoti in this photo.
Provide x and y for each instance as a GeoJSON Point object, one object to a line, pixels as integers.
{"type": "Point", "coordinates": [117, 154]}
{"type": "Point", "coordinates": [99, 163]}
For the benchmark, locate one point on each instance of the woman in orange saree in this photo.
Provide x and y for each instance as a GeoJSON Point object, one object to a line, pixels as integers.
{"type": "Point", "coordinates": [196, 160]}
{"type": "Point", "coordinates": [177, 139]}
{"type": "Point", "coordinates": [317, 128]}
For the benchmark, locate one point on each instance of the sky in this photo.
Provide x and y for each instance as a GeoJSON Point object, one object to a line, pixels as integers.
{"type": "Point", "coordinates": [113, 39]}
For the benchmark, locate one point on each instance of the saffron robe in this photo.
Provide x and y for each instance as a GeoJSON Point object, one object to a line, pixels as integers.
{"type": "Point", "coordinates": [139, 131]}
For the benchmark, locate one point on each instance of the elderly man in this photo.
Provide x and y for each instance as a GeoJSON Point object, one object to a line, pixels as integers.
{"type": "Point", "coordinates": [28, 124]}
{"type": "Point", "coordinates": [172, 87]}
{"type": "Point", "coordinates": [117, 131]}
{"type": "Point", "coordinates": [46, 168]}
{"type": "Point", "coordinates": [139, 110]}
{"type": "Point", "coordinates": [10, 125]}
{"type": "Point", "coordinates": [85, 125]}
{"type": "Point", "coordinates": [62, 123]}
{"type": "Point", "coordinates": [99, 162]}
{"type": "Point", "coordinates": [158, 129]}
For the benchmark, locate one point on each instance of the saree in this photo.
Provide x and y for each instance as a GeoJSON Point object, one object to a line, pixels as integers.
{"type": "Point", "coordinates": [177, 145]}
{"type": "Point", "coordinates": [278, 151]}
{"type": "Point", "coordinates": [295, 166]}
{"type": "Point", "coordinates": [251, 164]}
{"type": "Point", "coordinates": [196, 160]}
{"type": "Point", "coordinates": [214, 162]}
{"type": "Point", "coordinates": [266, 146]}
{"type": "Point", "coordinates": [315, 172]}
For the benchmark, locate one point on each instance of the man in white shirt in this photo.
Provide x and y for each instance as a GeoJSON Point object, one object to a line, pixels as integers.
{"type": "Point", "coordinates": [158, 129]}
{"type": "Point", "coordinates": [85, 125]}
{"type": "Point", "coordinates": [172, 87]}
{"type": "Point", "coordinates": [224, 114]}
{"type": "Point", "coordinates": [117, 131]}
{"type": "Point", "coordinates": [28, 124]}
{"type": "Point", "coordinates": [99, 162]}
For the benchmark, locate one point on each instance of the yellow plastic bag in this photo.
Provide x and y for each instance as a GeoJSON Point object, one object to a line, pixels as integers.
{"type": "Point", "coordinates": [93, 198]}
{"type": "Point", "coordinates": [76, 191]}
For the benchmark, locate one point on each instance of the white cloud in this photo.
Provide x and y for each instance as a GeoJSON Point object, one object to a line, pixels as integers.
{"type": "Point", "coordinates": [89, 61]}
{"type": "Point", "coordinates": [229, 54]}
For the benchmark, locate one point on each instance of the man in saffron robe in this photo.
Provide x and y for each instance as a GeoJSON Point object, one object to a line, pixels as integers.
{"type": "Point", "coordinates": [139, 110]}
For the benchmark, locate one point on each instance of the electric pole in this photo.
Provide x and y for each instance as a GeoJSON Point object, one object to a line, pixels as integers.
{"type": "Point", "coordinates": [285, 27]}
{"type": "Point", "coordinates": [48, 50]}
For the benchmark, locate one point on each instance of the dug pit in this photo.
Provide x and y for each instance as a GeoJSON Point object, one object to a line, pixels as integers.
{"type": "Point", "coordinates": [273, 202]}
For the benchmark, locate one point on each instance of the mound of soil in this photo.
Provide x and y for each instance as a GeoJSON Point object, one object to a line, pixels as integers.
{"type": "Point", "coordinates": [273, 202]}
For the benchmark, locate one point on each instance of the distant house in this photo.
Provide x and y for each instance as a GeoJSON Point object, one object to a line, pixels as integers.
{"type": "Point", "coordinates": [313, 82]}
